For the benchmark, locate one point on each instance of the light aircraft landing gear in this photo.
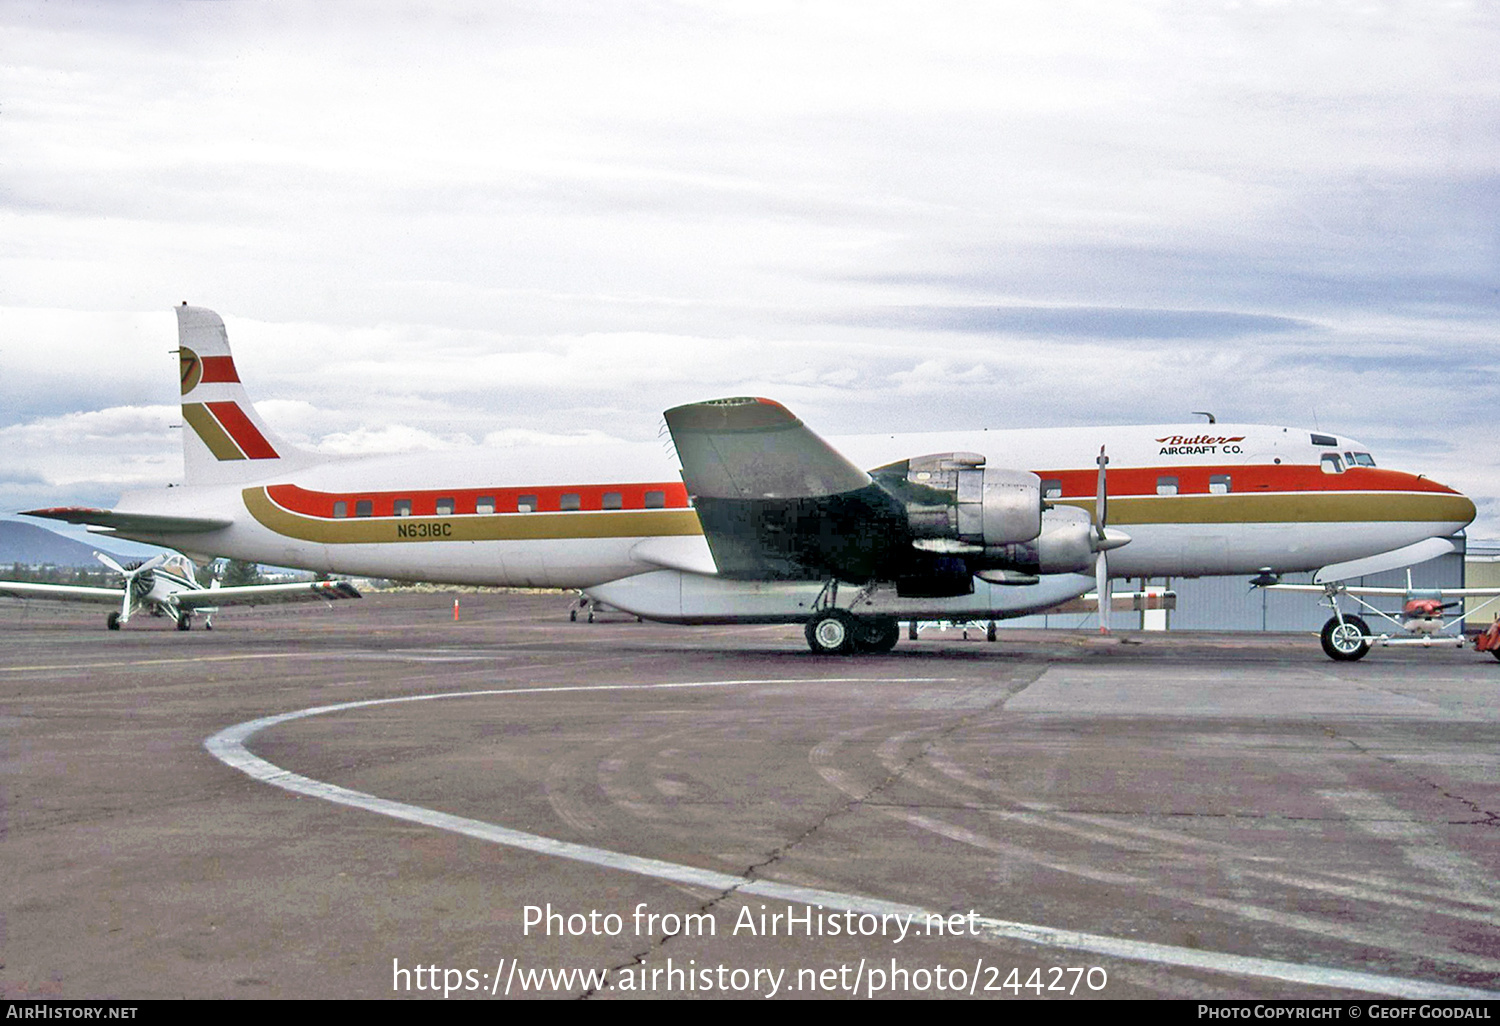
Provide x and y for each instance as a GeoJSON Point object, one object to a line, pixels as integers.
{"type": "Point", "coordinates": [1344, 640]}
{"type": "Point", "coordinates": [112, 621]}
{"type": "Point", "coordinates": [836, 632]}
{"type": "Point", "coordinates": [184, 622]}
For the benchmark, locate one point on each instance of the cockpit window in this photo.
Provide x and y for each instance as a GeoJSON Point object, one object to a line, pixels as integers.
{"type": "Point", "coordinates": [1332, 464]}
{"type": "Point", "coordinates": [1324, 440]}
{"type": "Point", "coordinates": [1364, 459]}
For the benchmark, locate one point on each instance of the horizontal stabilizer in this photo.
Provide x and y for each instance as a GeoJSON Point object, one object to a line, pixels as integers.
{"type": "Point", "coordinates": [1407, 555]}
{"type": "Point", "coordinates": [131, 523]}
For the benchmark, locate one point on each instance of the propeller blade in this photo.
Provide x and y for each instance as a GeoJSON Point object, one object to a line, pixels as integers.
{"type": "Point", "coordinates": [109, 562]}
{"type": "Point", "coordinates": [1101, 587]}
{"type": "Point", "coordinates": [1101, 500]}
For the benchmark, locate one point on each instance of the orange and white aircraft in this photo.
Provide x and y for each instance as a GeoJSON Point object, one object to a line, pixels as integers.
{"type": "Point", "coordinates": [766, 522]}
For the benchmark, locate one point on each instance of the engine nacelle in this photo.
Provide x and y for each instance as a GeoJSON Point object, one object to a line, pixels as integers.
{"type": "Point", "coordinates": [1064, 546]}
{"type": "Point", "coordinates": [958, 506]}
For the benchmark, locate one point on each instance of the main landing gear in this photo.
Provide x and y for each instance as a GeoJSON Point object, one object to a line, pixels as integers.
{"type": "Point", "coordinates": [837, 632]}
{"type": "Point", "coordinates": [1344, 638]}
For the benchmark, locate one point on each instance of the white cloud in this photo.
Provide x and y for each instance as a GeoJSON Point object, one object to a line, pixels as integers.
{"type": "Point", "coordinates": [427, 225]}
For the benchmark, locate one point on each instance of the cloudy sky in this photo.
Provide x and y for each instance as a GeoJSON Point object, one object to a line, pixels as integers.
{"type": "Point", "coordinates": [431, 225]}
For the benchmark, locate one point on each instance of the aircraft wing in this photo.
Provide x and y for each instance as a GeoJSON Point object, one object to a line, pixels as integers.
{"type": "Point", "coordinates": [264, 594]}
{"type": "Point", "coordinates": [776, 501]}
{"type": "Point", "coordinates": [61, 592]}
{"type": "Point", "coordinates": [130, 523]}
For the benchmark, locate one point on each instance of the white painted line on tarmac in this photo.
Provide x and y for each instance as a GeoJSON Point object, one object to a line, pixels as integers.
{"type": "Point", "coordinates": [228, 746]}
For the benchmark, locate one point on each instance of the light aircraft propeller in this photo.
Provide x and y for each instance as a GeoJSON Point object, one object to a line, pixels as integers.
{"type": "Point", "coordinates": [136, 574]}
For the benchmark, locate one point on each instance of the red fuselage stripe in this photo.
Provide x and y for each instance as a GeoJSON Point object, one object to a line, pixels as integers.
{"type": "Point", "coordinates": [542, 499]}
{"type": "Point", "coordinates": [1128, 482]}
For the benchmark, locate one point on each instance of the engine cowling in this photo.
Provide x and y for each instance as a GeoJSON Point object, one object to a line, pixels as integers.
{"type": "Point", "coordinates": [955, 505]}
{"type": "Point", "coordinates": [1064, 545]}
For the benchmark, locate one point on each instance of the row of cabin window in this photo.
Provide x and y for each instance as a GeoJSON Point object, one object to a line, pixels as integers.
{"type": "Point", "coordinates": [1218, 484]}
{"type": "Point", "coordinates": [569, 501]}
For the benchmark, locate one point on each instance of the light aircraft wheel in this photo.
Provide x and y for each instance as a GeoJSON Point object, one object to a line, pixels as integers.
{"type": "Point", "coordinates": [112, 621]}
{"type": "Point", "coordinates": [875, 634]}
{"type": "Point", "coordinates": [831, 632]}
{"type": "Point", "coordinates": [184, 623]}
{"type": "Point", "coordinates": [991, 632]}
{"type": "Point", "coordinates": [1345, 641]}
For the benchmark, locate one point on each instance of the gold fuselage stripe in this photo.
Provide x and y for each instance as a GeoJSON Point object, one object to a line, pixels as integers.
{"type": "Point", "coordinates": [470, 527]}
{"type": "Point", "coordinates": [1284, 507]}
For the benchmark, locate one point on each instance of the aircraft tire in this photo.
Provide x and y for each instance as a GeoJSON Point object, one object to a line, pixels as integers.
{"type": "Point", "coordinates": [112, 621]}
{"type": "Point", "coordinates": [831, 632]}
{"type": "Point", "coordinates": [1345, 642]}
{"type": "Point", "coordinates": [876, 634]}
{"type": "Point", "coordinates": [184, 623]}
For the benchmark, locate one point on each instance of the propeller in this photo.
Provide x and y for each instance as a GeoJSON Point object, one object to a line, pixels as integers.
{"type": "Point", "coordinates": [137, 580]}
{"type": "Point", "coordinates": [1102, 540]}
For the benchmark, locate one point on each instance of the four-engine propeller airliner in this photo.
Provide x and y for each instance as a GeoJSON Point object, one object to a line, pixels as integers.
{"type": "Point", "coordinates": [766, 522]}
{"type": "Point", "coordinates": [165, 585]}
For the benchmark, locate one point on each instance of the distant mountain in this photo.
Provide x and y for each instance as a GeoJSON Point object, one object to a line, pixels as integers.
{"type": "Point", "coordinates": [31, 545]}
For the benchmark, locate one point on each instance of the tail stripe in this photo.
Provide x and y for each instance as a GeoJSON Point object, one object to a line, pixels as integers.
{"type": "Point", "coordinates": [203, 424]}
{"type": "Point", "coordinates": [251, 442]}
{"type": "Point", "coordinates": [218, 369]}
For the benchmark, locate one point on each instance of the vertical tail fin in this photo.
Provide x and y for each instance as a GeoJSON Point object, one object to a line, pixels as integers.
{"type": "Point", "coordinates": [224, 441]}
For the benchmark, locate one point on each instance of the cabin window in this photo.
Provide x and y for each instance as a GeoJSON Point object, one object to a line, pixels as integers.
{"type": "Point", "coordinates": [484, 504]}
{"type": "Point", "coordinates": [364, 508]}
{"type": "Point", "coordinates": [1166, 485]}
{"type": "Point", "coordinates": [1331, 463]}
{"type": "Point", "coordinates": [1324, 440]}
{"type": "Point", "coordinates": [526, 504]}
{"type": "Point", "coordinates": [445, 507]}
{"type": "Point", "coordinates": [1052, 489]}
{"type": "Point", "coordinates": [1219, 484]}
{"type": "Point", "coordinates": [341, 509]}
{"type": "Point", "coordinates": [402, 508]}
{"type": "Point", "coordinates": [656, 500]}
{"type": "Point", "coordinates": [569, 502]}
{"type": "Point", "coordinates": [614, 500]}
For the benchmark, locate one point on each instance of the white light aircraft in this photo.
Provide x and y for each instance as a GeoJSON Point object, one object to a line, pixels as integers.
{"type": "Point", "coordinates": [166, 586]}
{"type": "Point", "coordinates": [766, 522]}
